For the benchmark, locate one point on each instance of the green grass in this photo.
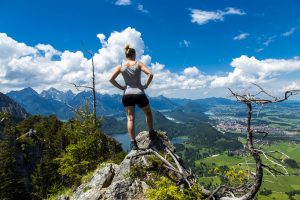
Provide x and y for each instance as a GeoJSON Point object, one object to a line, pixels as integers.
{"type": "Point", "coordinates": [290, 149]}
{"type": "Point", "coordinates": [215, 180]}
{"type": "Point", "coordinates": [282, 183]}
{"type": "Point", "coordinates": [188, 145]}
{"type": "Point", "coordinates": [274, 196]}
{"type": "Point", "coordinates": [235, 131]}
{"type": "Point", "coordinates": [279, 185]}
{"type": "Point", "coordinates": [63, 191]}
{"type": "Point", "coordinates": [220, 160]}
{"type": "Point", "coordinates": [185, 137]}
{"type": "Point", "coordinates": [87, 177]}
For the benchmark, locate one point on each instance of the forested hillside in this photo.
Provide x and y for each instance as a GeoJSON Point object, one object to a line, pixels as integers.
{"type": "Point", "coordinates": [41, 155]}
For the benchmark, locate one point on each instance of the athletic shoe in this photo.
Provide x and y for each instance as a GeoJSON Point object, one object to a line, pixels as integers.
{"type": "Point", "coordinates": [133, 145]}
{"type": "Point", "coordinates": [152, 134]}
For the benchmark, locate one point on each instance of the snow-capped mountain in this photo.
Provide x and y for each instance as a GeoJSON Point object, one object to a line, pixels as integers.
{"type": "Point", "coordinates": [57, 95]}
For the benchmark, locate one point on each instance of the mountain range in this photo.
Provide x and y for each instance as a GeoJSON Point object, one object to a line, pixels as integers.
{"type": "Point", "coordinates": [53, 101]}
{"type": "Point", "coordinates": [55, 94]}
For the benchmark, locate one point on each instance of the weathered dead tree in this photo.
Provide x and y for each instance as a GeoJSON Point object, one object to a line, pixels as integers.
{"type": "Point", "coordinates": [249, 190]}
{"type": "Point", "coordinates": [92, 88]}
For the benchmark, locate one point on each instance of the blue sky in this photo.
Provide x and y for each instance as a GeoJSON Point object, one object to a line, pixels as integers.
{"type": "Point", "coordinates": [218, 33]}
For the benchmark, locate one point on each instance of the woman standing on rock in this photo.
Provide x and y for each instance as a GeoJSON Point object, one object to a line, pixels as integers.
{"type": "Point", "coordinates": [134, 92]}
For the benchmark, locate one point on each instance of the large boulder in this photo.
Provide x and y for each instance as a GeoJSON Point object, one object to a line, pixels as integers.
{"type": "Point", "coordinates": [101, 179]}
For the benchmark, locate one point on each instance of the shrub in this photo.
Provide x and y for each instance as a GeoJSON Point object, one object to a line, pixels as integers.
{"type": "Point", "coordinates": [166, 189]}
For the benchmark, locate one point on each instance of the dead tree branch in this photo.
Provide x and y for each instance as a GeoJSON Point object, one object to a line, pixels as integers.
{"type": "Point", "coordinates": [77, 86]}
{"type": "Point", "coordinates": [183, 175]}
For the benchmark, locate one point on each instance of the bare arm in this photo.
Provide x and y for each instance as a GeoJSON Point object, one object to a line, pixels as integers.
{"type": "Point", "coordinates": [147, 71]}
{"type": "Point", "coordinates": [114, 76]}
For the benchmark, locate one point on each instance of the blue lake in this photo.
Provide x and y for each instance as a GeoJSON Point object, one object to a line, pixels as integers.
{"type": "Point", "coordinates": [123, 139]}
{"type": "Point", "coordinates": [179, 140]}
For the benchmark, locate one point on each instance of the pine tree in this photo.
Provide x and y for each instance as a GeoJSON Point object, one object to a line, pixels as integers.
{"type": "Point", "coordinates": [12, 185]}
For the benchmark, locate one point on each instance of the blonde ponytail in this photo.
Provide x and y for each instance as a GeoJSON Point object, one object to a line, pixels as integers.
{"type": "Point", "coordinates": [127, 46]}
{"type": "Point", "coordinates": [129, 52]}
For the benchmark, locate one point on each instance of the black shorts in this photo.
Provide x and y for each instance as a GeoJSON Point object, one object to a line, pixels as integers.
{"type": "Point", "coordinates": [131, 99]}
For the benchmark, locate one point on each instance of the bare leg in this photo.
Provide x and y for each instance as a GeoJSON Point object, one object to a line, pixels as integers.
{"type": "Point", "coordinates": [130, 121]}
{"type": "Point", "coordinates": [149, 118]}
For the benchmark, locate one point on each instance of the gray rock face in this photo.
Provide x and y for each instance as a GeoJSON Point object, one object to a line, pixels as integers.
{"type": "Point", "coordinates": [101, 179]}
{"type": "Point", "coordinates": [115, 182]}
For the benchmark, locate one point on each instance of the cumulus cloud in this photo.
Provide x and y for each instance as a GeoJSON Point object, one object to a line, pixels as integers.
{"type": "Point", "coordinates": [189, 79]}
{"type": "Point", "coordinates": [293, 86]}
{"type": "Point", "coordinates": [113, 51]}
{"type": "Point", "coordinates": [191, 71]}
{"type": "Point", "coordinates": [241, 36]}
{"type": "Point", "coordinates": [202, 17]}
{"type": "Point", "coordinates": [123, 2]}
{"type": "Point", "coordinates": [10, 48]}
{"type": "Point", "coordinates": [102, 38]}
{"type": "Point", "coordinates": [249, 69]}
{"type": "Point", "coordinates": [35, 66]}
{"type": "Point", "coordinates": [22, 65]}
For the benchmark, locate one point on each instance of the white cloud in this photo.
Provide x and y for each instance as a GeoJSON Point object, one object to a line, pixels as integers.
{"type": "Point", "coordinates": [249, 69]}
{"type": "Point", "coordinates": [146, 59]}
{"type": "Point", "coordinates": [270, 40]}
{"type": "Point", "coordinates": [293, 86]}
{"type": "Point", "coordinates": [141, 8]}
{"type": "Point", "coordinates": [185, 43]}
{"type": "Point", "coordinates": [34, 66]}
{"type": "Point", "coordinates": [233, 11]}
{"type": "Point", "coordinates": [259, 50]}
{"type": "Point", "coordinates": [191, 71]}
{"type": "Point", "coordinates": [290, 32]}
{"type": "Point", "coordinates": [202, 17]}
{"type": "Point", "coordinates": [241, 36]}
{"type": "Point", "coordinates": [102, 37]}
{"type": "Point", "coordinates": [113, 51]}
{"type": "Point", "coordinates": [166, 81]}
{"type": "Point", "coordinates": [10, 48]}
{"type": "Point", "coordinates": [123, 2]}
{"type": "Point", "coordinates": [24, 66]}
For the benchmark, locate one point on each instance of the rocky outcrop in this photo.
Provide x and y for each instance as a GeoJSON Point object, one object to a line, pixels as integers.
{"type": "Point", "coordinates": [128, 179]}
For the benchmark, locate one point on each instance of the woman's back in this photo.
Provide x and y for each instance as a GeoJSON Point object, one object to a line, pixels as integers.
{"type": "Point", "coordinates": [132, 78]}
{"type": "Point", "coordinates": [134, 92]}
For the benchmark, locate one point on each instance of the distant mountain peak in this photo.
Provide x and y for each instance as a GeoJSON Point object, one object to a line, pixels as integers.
{"type": "Point", "coordinates": [24, 92]}
{"type": "Point", "coordinates": [29, 89]}
{"type": "Point", "coordinates": [53, 89]}
{"type": "Point", "coordinates": [161, 96]}
{"type": "Point", "coordinates": [55, 94]}
{"type": "Point", "coordinates": [69, 92]}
